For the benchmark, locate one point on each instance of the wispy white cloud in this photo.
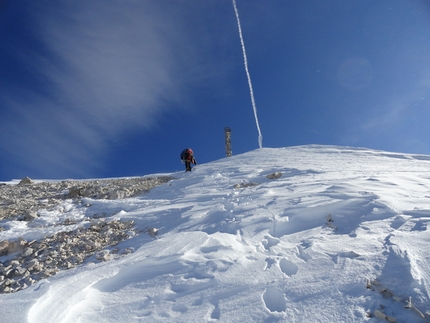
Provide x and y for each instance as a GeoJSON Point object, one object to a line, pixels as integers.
{"type": "Point", "coordinates": [105, 67]}
{"type": "Point", "coordinates": [398, 118]}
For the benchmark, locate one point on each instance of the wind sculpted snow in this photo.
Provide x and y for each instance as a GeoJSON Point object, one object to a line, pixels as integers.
{"type": "Point", "coordinates": [341, 236]}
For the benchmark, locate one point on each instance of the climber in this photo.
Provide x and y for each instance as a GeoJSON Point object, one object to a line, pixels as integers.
{"type": "Point", "coordinates": [187, 157]}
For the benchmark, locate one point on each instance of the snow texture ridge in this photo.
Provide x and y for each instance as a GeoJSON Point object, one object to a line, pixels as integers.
{"type": "Point", "coordinates": [299, 234]}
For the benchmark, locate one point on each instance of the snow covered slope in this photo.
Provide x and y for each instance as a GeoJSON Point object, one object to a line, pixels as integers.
{"type": "Point", "coordinates": [343, 235]}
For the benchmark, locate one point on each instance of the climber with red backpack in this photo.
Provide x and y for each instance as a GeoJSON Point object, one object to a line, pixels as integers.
{"type": "Point", "coordinates": [187, 157]}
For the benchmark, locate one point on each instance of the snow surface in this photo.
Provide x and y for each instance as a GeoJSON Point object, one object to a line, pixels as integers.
{"type": "Point", "coordinates": [234, 246]}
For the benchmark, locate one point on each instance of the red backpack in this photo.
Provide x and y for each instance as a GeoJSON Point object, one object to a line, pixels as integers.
{"type": "Point", "coordinates": [187, 154]}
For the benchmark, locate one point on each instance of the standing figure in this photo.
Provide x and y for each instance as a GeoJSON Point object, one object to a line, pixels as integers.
{"type": "Point", "coordinates": [187, 157]}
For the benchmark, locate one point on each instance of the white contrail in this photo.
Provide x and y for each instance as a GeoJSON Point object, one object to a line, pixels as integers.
{"type": "Point", "coordinates": [260, 136]}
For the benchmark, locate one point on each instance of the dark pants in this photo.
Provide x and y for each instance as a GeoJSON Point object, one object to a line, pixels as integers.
{"type": "Point", "coordinates": [187, 166]}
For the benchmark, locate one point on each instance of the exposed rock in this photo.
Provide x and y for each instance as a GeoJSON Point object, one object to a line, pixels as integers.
{"type": "Point", "coordinates": [274, 175]}
{"type": "Point", "coordinates": [330, 222]}
{"type": "Point", "coordinates": [380, 315]}
{"type": "Point", "coordinates": [27, 252]}
{"type": "Point", "coordinates": [397, 298]}
{"type": "Point", "coordinates": [103, 255]}
{"type": "Point", "coordinates": [69, 222]}
{"type": "Point", "coordinates": [20, 271]}
{"type": "Point", "coordinates": [391, 319]}
{"type": "Point", "coordinates": [96, 236]}
{"type": "Point", "coordinates": [244, 185]}
{"type": "Point", "coordinates": [117, 194]}
{"type": "Point", "coordinates": [25, 181]}
{"type": "Point", "coordinates": [386, 294]}
{"type": "Point", "coordinates": [376, 285]}
{"type": "Point", "coordinates": [16, 246]}
{"type": "Point", "coordinates": [29, 215]}
{"type": "Point", "coordinates": [8, 282]}
{"type": "Point", "coordinates": [28, 195]}
{"type": "Point", "coordinates": [62, 251]}
{"type": "Point", "coordinates": [128, 250]}
{"type": "Point", "coordinates": [4, 247]}
{"type": "Point", "coordinates": [32, 264]}
{"type": "Point", "coordinates": [74, 191]}
{"type": "Point", "coordinates": [152, 232]}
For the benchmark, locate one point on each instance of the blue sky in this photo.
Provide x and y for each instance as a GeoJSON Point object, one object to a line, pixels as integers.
{"type": "Point", "coordinates": [108, 88]}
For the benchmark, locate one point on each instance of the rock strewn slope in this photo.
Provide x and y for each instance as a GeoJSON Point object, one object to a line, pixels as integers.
{"type": "Point", "coordinates": [30, 261]}
{"type": "Point", "coordinates": [26, 198]}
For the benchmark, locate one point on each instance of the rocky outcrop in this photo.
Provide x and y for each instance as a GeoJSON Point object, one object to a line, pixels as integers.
{"type": "Point", "coordinates": [35, 260]}
{"type": "Point", "coordinates": [375, 285]}
{"type": "Point", "coordinates": [25, 181]}
{"type": "Point", "coordinates": [22, 201]}
{"type": "Point", "coordinates": [95, 239]}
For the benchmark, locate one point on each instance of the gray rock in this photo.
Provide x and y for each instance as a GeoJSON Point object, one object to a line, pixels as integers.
{"type": "Point", "coordinates": [391, 319]}
{"type": "Point", "coordinates": [29, 215]}
{"type": "Point", "coordinates": [32, 264]}
{"type": "Point", "coordinates": [17, 245]}
{"type": "Point", "coordinates": [4, 247]}
{"type": "Point", "coordinates": [103, 255]}
{"type": "Point", "coordinates": [74, 191]}
{"type": "Point", "coordinates": [380, 315]}
{"type": "Point", "coordinates": [117, 194]}
{"type": "Point", "coordinates": [25, 181]}
{"type": "Point", "coordinates": [274, 175]}
{"type": "Point", "coordinates": [152, 232]}
{"type": "Point", "coordinates": [8, 282]}
{"type": "Point", "coordinates": [27, 252]}
{"type": "Point", "coordinates": [20, 271]}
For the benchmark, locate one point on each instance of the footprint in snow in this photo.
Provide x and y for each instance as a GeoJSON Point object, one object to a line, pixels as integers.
{"type": "Point", "coordinates": [287, 267]}
{"type": "Point", "coordinates": [181, 308]}
{"type": "Point", "coordinates": [269, 263]}
{"type": "Point", "coordinates": [274, 300]}
{"type": "Point", "coordinates": [303, 254]}
{"type": "Point", "coordinates": [198, 301]}
{"type": "Point", "coordinates": [216, 313]}
{"type": "Point", "coordinates": [269, 242]}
